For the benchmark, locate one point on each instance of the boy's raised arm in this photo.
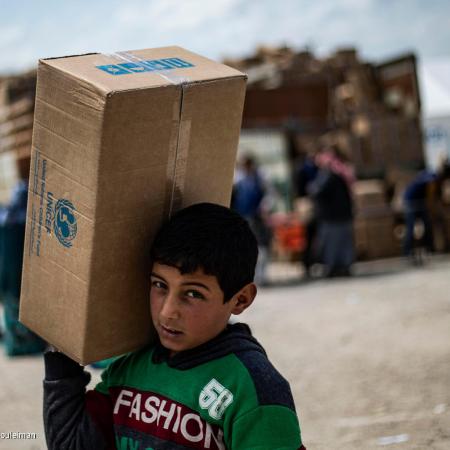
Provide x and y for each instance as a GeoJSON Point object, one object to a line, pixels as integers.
{"type": "Point", "coordinates": [73, 418]}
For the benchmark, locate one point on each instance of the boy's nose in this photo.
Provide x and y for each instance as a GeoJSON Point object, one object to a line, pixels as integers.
{"type": "Point", "coordinates": [169, 308]}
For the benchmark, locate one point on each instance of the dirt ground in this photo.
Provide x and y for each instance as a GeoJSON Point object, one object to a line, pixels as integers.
{"type": "Point", "coordinates": [368, 358]}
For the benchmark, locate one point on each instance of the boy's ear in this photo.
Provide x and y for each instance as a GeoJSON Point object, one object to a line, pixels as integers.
{"type": "Point", "coordinates": [243, 299]}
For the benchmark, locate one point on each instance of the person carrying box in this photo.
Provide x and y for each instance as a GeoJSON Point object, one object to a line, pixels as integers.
{"type": "Point", "coordinates": [206, 383]}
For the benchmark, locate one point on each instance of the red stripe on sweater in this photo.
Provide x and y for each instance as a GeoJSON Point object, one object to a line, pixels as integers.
{"type": "Point", "coordinates": [100, 408]}
{"type": "Point", "coordinates": [164, 418]}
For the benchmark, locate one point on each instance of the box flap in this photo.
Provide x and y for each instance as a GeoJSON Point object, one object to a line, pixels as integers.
{"type": "Point", "coordinates": [138, 69]}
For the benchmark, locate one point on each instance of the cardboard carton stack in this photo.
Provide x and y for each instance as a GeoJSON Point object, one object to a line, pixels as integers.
{"type": "Point", "coordinates": [445, 214]}
{"type": "Point", "coordinates": [371, 110]}
{"type": "Point", "coordinates": [446, 193]}
{"type": "Point", "coordinates": [16, 123]}
{"type": "Point", "coordinates": [381, 132]}
{"type": "Point", "coordinates": [120, 142]}
{"type": "Point", "coordinates": [374, 222]}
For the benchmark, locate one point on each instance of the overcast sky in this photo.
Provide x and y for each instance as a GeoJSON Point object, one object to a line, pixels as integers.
{"type": "Point", "coordinates": [32, 29]}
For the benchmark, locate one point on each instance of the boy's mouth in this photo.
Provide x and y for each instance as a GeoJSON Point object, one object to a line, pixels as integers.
{"type": "Point", "coordinates": [170, 331]}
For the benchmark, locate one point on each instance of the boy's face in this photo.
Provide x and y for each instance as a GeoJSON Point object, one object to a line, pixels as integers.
{"type": "Point", "coordinates": [187, 309]}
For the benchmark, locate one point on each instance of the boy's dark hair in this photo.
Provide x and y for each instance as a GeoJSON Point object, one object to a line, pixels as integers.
{"type": "Point", "coordinates": [212, 238]}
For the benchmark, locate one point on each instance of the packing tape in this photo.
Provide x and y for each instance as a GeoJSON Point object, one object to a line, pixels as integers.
{"type": "Point", "coordinates": [166, 74]}
{"type": "Point", "coordinates": [178, 175]}
{"type": "Point", "coordinates": [179, 139]}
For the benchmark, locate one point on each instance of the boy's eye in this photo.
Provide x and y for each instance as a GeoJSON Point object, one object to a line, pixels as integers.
{"type": "Point", "coordinates": [194, 294]}
{"type": "Point", "coordinates": [158, 284]}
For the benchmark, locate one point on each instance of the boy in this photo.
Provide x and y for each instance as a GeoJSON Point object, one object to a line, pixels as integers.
{"type": "Point", "coordinates": [206, 384]}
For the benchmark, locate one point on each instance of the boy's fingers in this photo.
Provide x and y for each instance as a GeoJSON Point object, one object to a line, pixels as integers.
{"type": "Point", "coordinates": [52, 348]}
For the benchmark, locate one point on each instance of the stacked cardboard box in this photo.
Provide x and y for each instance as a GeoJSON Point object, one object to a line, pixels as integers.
{"type": "Point", "coordinates": [16, 124]}
{"type": "Point", "coordinates": [376, 107]}
{"type": "Point", "coordinates": [446, 193]}
{"type": "Point", "coordinates": [446, 230]}
{"type": "Point", "coordinates": [445, 214]}
{"type": "Point", "coordinates": [381, 141]}
{"type": "Point", "coordinates": [374, 222]}
{"type": "Point", "coordinates": [369, 197]}
{"type": "Point", "coordinates": [370, 111]}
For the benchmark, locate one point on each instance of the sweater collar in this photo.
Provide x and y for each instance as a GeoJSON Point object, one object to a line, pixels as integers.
{"type": "Point", "coordinates": [236, 338]}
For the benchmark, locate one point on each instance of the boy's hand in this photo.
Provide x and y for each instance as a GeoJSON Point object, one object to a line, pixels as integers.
{"type": "Point", "coordinates": [58, 365]}
{"type": "Point", "coordinates": [52, 348]}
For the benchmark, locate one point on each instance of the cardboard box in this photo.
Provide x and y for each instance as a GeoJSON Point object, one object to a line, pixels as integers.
{"type": "Point", "coordinates": [369, 197]}
{"type": "Point", "coordinates": [120, 142]}
{"type": "Point", "coordinates": [374, 237]}
{"type": "Point", "coordinates": [446, 192]}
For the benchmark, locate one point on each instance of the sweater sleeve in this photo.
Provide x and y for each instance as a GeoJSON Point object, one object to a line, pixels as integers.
{"type": "Point", "coordinates": [270, 420]}
{"type": "Point", "coordinates": [268, 426]}
{"type": "Point", "coordinates": [73, 418]}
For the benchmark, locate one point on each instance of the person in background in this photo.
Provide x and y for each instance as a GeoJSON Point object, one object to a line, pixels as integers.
{"type": "Point", "coordinates": [331, 193]}
{"type": "Point", "coordinates": [420, 193]}
{"type": "Point", "coordinates": [305, 174]}
{"type": "Point", "coordinates": [248, 194]}
{"type": "Point", "coordinates": [18, 339]}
